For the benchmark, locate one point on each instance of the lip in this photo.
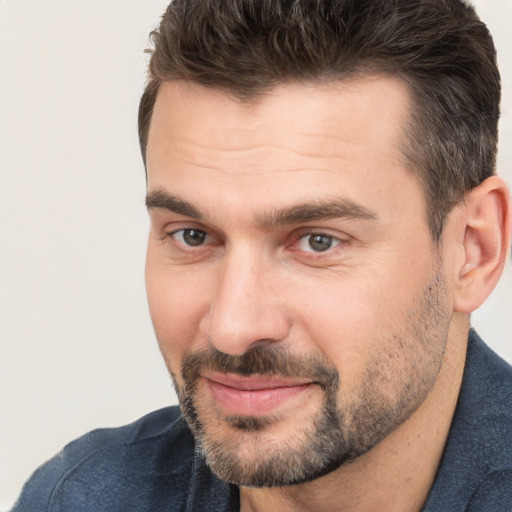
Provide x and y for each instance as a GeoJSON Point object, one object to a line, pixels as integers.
{"type": "Point", "coordinates": [254, 395]}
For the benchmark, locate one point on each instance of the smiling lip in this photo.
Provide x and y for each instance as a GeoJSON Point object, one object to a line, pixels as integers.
{"type": "Point", "coordinates": [252, 396]}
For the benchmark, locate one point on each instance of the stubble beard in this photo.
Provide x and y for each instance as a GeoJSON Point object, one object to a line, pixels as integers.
{"type": "Point", "coordinates": [244, 451]}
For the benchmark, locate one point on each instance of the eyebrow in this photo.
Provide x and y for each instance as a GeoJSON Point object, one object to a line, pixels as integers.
{"type": "Point", "coordinates": [160, 199]}
{"type": "Point", "coordinates": [308, 212]}
{"type": "Point", "coordinates": [304, 212]}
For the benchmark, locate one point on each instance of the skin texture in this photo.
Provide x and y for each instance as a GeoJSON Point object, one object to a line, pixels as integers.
{"type": "Point", "coordinates": [288, 238]}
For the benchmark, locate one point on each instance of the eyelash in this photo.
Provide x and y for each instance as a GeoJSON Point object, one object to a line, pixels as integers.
{"type": "Point", "coordinates": [296, 241]}
{"type": "Point", "coordinates": [307, 237]}
{"type": "Point", "coordinates": [181, 246]}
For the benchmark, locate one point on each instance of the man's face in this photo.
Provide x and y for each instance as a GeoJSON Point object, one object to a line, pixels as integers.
{"type": "Point", "coordinates": [296, 294]}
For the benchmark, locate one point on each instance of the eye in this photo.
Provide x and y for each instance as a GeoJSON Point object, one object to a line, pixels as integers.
{"type": "Point", "coordinates": [190, 237]}
{"type": "Point", "coordinates": [318, 242]}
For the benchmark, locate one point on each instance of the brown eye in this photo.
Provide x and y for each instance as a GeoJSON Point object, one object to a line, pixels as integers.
{"type": "Point", "coordinates": [190, 237]}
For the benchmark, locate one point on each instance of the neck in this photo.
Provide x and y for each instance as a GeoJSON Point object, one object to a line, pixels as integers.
{"type": "Point", "coordinates": [397, 474]}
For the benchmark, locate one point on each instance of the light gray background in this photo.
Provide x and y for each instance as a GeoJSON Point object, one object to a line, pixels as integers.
{"type": "Point", "coordinates": [77, 350]}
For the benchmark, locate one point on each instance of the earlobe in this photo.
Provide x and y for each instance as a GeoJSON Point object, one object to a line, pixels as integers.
{"type": "Point", "coordinates": [486, 234]}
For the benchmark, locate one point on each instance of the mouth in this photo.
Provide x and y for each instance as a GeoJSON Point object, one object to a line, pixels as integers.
{"type": "Point", "coordinates": [255, 395]}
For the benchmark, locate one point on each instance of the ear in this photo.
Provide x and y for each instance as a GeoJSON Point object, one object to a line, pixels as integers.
{"type": "Point", "coordinates": [484, 226]}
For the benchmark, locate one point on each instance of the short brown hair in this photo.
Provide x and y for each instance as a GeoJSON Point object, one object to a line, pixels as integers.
{"type": "Point", "coordinates": [440, 48]}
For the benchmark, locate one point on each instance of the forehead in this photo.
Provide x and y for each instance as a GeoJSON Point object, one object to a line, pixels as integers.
{"type": "Point", "coordinates": [362, 109]}
{"type": "Point", "coordinates": [293, 144]}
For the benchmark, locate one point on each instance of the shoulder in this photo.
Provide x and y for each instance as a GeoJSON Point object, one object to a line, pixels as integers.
{"type": "Point", "coordinates": [477, 461]}
{"type": "Point", "coordinates": [484, 411]}
{"type": "Point", "coordinates": [485, 369]}
{"type": "Point", "coordinates": [117, 459]}
{"type": "Point", "coordinates": [494, 493]}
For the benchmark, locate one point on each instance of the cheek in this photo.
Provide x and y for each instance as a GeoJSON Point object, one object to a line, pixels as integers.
{"type": "Point", "coordinates": [351, 318]}
{"type": "Point", "coordinates": [343, 326]}
{"type": "Point", "coordinates": [177, 303]}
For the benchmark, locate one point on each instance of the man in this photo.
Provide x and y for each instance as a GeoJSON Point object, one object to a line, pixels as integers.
{"type": "Point", "coordinates": [324, 218]}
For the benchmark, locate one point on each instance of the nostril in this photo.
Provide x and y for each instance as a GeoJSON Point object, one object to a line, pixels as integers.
{"type": "Point", "coordinates": [243, 312]}
{"type": "Point", "coordinates": [264, 342]}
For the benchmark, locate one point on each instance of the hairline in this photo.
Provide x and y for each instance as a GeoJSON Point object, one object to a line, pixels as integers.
{"type": "Point", "coordinates": [404, 143]}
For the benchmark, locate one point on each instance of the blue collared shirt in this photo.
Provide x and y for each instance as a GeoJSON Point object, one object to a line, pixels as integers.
{"type": "Point", "coordinates": [151, 465]}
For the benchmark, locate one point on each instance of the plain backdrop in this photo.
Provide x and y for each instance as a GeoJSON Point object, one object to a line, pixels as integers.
{"type": "Point", "coordinates": [77, 350]}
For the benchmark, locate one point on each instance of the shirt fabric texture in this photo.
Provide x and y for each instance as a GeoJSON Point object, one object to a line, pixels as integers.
{"type": "Point", "coordinates": [152, 464]}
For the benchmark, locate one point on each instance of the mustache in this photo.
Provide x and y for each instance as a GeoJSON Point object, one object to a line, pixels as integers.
{"type": "Point", "coordinates": [260, 360]}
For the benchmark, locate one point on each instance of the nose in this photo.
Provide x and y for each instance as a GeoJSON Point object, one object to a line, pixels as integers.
{"type": "Point", "coordinates": [247, 308]}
